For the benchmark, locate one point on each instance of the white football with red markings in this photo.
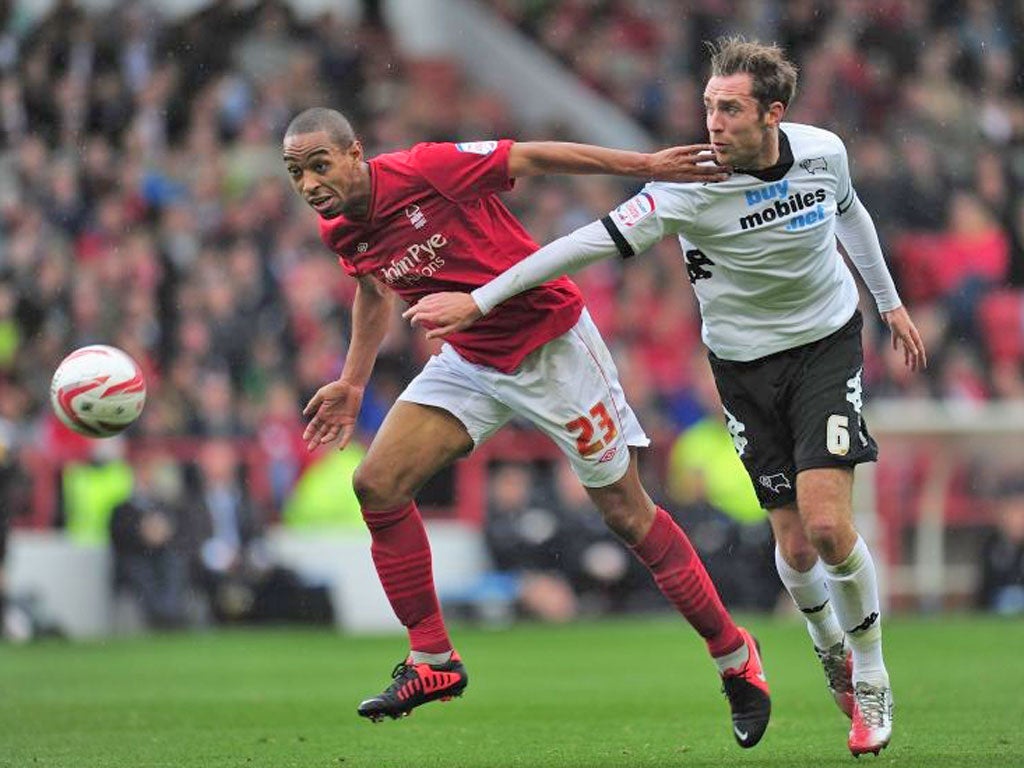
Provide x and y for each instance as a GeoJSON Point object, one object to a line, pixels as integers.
{"type": "Point", "coordinates": [98, 391]}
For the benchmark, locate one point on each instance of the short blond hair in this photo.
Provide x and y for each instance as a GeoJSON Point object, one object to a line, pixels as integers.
{"type": "Point", "coordinates": [773, 75]}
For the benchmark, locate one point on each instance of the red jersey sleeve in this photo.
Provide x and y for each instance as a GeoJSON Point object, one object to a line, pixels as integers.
{"type": "Point", "coordinates": [465, 171]}
{"type": "Point", "coordinates": [348, 266]}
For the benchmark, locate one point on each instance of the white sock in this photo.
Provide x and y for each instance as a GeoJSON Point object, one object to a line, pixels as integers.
{"type": "Point", "coordinates": [854, 588]}
{"type": "Point", "coordinates": [419, 657]}
{"type": "Point", "coordinates": [811, 595]}
{"type": "Point", "coordinates": [733, 660]}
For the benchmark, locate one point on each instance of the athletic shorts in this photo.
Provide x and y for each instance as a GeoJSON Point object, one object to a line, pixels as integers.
{"type": "Point", "coordinates": [797, 409]}
{"type": "Point", "coordinates": [568, 388]}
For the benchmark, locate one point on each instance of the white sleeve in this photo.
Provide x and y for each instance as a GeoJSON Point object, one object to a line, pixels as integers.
{"type": "Point", "coordinates": [571, 253]}
{"type": "Point", "coordinates": [856, 231]}
{"type": "Point", "coordinates": [845, 196]}
{"type": "Point", "coordinates": [659, 209]}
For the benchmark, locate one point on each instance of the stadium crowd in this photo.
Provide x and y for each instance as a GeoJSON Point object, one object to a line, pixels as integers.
{"type": "Point", "coordinates": [143, 202]}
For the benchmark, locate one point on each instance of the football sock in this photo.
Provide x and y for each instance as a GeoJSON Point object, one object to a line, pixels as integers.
{"type": "Point", "coordinates": [401, 553]}
{"type": "Point", "coordinates": [734, 660]}
{"type": "Point", "coordinates": [682, 578]}
{"type": "Point", "coordinates": [419, 657]}
{"type": "Point", "coordinates": [854, 588]}
{"type": "Point", "coordinates": [810, 592]}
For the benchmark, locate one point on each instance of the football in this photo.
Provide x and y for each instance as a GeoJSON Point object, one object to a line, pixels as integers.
{"type": "Point", "coordinates": [98, 391]}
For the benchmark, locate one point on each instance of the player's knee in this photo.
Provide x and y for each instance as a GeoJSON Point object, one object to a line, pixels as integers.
{"type": "Point", "coordinates": [799, 554]}
{"type": "Point", "coordinates": [375, 489]}
{"type": "Point", "coordinates": [826, 531]}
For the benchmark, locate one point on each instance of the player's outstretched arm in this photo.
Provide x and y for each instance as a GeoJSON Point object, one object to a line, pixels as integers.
{"type": "Point", "coordinates": [446, 313]}
{"type": "Point", "coordinates": [857, 233]}
{"type": "Point", "coordinates": [681, 164]}
{"type": "Point", "coordinates": [333, 410]}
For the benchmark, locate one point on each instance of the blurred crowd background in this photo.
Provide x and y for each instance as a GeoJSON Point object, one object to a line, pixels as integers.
{"type": "Point", "coordinates": [143, 203]}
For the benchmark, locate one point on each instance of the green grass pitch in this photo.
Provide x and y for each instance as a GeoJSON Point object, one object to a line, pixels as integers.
{"type": "Point", "coordinates": [637, 692]}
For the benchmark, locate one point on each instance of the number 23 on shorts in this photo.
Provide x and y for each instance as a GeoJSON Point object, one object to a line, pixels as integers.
{"type": "Point", "coordinates": [585, 426]}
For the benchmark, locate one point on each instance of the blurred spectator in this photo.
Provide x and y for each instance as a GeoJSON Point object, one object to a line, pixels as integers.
{"type": "Point", "coordinates": [324, 496]}
{"type": "Point", "coordinates": [553, 553]}
{"type": "Point", "coordinates": [232, 555]}
{"type": "Point", "coordinates": [241, 582]}
{"type": "Point", "coordinates": [153, 538]}
{"type": "Point", "coordinates": [14, 483]}
{"type": "Point", "coordinates": [280, 437]}
{"type": "Point", "coordinates": [716, 505]}
{"type": "Point", "coordinates": [603, 573]}
{"type": "Point", "coordinates": [1001, 587]}
{"type": "Point", "coordinates": [93, 488]}
{"type": "Point", "coordinates": [526, 541]}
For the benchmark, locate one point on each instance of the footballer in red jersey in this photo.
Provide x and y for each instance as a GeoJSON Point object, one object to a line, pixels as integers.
{"type": "Point", "coordinates": [429, 219]}
{"type": "Point", "coordinates": [435, 223]}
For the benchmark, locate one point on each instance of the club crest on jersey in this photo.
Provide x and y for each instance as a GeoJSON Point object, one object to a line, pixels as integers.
{"type": "Point", "coordinates": [814, 164]}
{"type": "Point", "coordinates": [415, 216]}
{"type": "Point", "coordinates": [635, 210]}
{"type": "Point", "coordinates": [477, 147]}
{"type": "Point", "coordinates": [775, 483]}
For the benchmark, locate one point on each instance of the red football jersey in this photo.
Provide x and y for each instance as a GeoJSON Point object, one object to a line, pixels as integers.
{"type": "Point", "coordinates": [436, 224]}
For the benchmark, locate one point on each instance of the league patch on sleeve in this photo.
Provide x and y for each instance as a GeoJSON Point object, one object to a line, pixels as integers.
{"type": "Point", "coordinates": [634, 210]}
{"type": "Point", "coordinates": [477, 147]}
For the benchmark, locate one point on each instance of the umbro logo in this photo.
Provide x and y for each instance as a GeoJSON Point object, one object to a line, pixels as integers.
{"type": "Point", "coordinates": [866, 624]}
{"type": "Point", "coordinates": [607, 456]}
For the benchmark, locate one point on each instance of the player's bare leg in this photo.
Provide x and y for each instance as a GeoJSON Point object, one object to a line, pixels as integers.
{"type": "Point", "coordinates": [412, 445]}
{"type": "Point", "coordinates": [680, 575]}
{"type": "Point", "coordinates": [825, 502]}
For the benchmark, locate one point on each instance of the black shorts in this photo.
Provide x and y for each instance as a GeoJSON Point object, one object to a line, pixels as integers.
{"type": "Point", "coordinates": [797, 409]}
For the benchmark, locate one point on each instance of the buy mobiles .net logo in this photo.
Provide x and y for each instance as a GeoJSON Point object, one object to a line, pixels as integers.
{"type": "Point", "coordinates": [806, 205]}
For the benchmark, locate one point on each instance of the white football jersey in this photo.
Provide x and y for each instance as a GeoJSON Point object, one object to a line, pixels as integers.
{"type": "Point", "coordinates": [760, 250]}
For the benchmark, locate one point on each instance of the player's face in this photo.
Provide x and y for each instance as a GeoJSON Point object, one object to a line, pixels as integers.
{"type": "Point", "coordinates": [738, 129]}
{"type": "Point", "coordinates": [332, 180]}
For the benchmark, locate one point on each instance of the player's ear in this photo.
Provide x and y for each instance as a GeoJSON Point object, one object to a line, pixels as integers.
{"type": "Point", "coordinates": [355, 151]}
{"type": "Point", "coordinates": [774, 115]}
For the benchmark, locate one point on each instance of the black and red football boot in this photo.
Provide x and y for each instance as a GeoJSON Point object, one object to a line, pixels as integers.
{"type": "Point", "coordinates": [416, 684]}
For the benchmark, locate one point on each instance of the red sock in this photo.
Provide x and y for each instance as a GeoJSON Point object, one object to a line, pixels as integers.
{"type": "Point", "coordinates": [682, 578]}
{"type": "Point", "coordinates": [401, 554]}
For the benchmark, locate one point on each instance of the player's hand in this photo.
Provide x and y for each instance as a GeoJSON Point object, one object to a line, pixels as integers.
{"type": "Point", "coordinates": [695, 162]}
{"type": "Point", "coordinates": [443, 313]}
{"type": "Point", "coordinates": [332, 413]}
{"type": "Point", "coordinates": [904, 333]}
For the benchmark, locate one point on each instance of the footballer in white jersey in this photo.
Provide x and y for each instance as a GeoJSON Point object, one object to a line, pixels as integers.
{"type": "Point", "coordinates": [760, 248]}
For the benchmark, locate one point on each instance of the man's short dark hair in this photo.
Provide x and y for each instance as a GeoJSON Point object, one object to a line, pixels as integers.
{"type": "Point", "coordinates": [773, 75]}
{"type": "Point", "coordinates": [329, 121]}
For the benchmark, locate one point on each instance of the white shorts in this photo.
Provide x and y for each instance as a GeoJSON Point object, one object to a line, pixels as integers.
{"type": "Point", "coordinates": [568, 388]}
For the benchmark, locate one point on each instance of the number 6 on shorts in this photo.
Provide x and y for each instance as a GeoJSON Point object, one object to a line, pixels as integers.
{"type": "Point", "coordinates": [837, 434]}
